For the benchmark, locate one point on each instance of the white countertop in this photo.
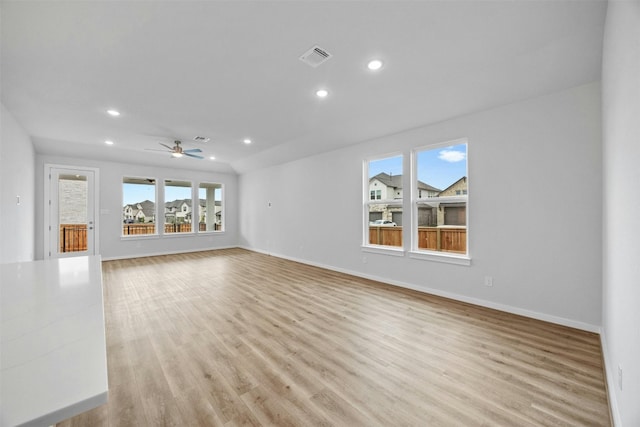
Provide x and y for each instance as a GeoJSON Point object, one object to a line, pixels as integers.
{"type": "Point", "coordinates": [53, 361]}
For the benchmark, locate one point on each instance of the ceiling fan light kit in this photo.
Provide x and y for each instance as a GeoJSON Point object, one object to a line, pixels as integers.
{"type": "Point", "coordinates": [177, 151]}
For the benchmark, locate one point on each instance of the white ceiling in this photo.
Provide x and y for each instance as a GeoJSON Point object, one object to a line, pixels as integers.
{"type": "Point", "coordinates": [230, 70]}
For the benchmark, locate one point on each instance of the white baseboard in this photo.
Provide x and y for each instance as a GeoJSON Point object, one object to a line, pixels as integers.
{"type": "Point", "coordinates": [610, 379]}
{"type": "Point", "coordinates": [143, 255]}
{"type": "Point", "coordinates": [463, 298]}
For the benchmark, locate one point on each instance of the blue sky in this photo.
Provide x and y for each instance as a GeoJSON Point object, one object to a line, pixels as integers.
{"type": "Point", "coordinates": [134, 193]}
{"type": "Point", "coordinates": [438, 167]}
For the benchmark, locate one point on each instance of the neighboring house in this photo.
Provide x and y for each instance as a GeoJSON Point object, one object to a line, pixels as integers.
{"type": "Point", "coordinates": [139, 212]}
{"type": "Point", "coordinates": [181, 211]}
{"type": "Point", "coordinates": [384, 186]}
{"type": "Point", "coordinates": [458, 188]}
{"type": "Point", "coordinates": [431, 213]}
{"type": "Point", "coordinates": [177, 211]}
{"type": "Point", "coordinates": [127, 213]}
{"type": "Point", "coordinates": [454, 213]}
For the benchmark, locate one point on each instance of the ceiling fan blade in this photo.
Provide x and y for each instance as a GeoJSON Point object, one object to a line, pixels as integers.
{"type": "Point", "coordinates": [154, 149]}
{"type": "Point", "coordinates": [165, 145]}
{"type": "Point", "coordinates": [192, 155]}
{"type": "Point", "coordinates": [192, 150]}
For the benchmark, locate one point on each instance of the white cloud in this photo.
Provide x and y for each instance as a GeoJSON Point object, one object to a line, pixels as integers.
{"type": "Point", "coordinates": [452, 156]}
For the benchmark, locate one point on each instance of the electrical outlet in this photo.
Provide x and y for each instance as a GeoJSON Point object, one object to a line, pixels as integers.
{"type": "Point", "coordinates": [620, 376]}
{"type": "Point", "coordinates": [488, 280]}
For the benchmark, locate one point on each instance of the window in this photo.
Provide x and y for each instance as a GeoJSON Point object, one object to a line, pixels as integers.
{"type": "Point", "coordinates": [139, 206]}
{"type": "Point", "coordinates": [441, 203]}
{"type": "Point", "coordinates": [383, 208]}
{"type": "Point", "coordinates": [177, 207]}
{"type": "Point", "coordinates": [210, 214]}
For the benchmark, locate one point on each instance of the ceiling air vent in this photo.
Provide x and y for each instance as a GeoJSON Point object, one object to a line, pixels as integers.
{"type": "Point", "coordinates": [201, 139]}
{"type": "Point", "coordinates": [315, 56]}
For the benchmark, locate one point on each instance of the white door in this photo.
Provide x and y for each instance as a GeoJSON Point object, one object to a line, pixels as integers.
{"type": "Point", "coordinates": [71, 219]}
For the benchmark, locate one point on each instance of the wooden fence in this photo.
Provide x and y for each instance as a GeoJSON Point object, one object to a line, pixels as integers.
{"type": "Point", "coordinates": [388, 236]}
{"type": "Point", "coordinates": [73, 237]}
{"type": "Point", "coordinates": [432, 238]}
{"type": "Point", "coordinates": [177, 228]}
{"type": "Point", "coordinates": [443, 239]}
{"type": "Point", "coordinates": [138, 228]}
{"type": "Point", "coordinates": [150, 228]}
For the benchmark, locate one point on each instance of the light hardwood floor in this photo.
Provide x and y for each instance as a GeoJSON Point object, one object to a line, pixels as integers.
{"type": "Point", "coordinates": [233, 337]}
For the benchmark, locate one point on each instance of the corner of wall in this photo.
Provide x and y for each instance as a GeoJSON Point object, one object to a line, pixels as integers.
{"type": "Point", "coordinates": [17, 191]}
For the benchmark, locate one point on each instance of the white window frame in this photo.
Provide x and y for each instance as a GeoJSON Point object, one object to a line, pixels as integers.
{"type": "Point", "coordinates": [415, 252]}
{"type": "Point", "coordinates": [366, 195]}
{"type": "Point", "coordinates": [164, 202]}
{"type": "Point", "coordinates": [222, 207]}
{"type": "Point", "coordinates": [154, 235]}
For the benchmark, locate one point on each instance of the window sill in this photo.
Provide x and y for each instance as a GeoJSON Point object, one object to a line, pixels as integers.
{"type": "Point", "coordinates": [210, 233]}
{"type": "Point", "coordinates": [139, 236]}
{"type": "Point", "coordinates": [181, 234]}
{"type": "Point", "coordinates": [384, 250]}
{"type": "Point", "coordinates": [445, 257]}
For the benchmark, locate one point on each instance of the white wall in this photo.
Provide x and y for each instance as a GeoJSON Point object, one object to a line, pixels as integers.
{"type": "Point", "coordinates": [621, 255]}
{"type": "Point", "coordinates": [17, 159]}
{"type": "Point", "coordinates": [111, 244]}
{"type": "Point", "coordinates": [534, 200]}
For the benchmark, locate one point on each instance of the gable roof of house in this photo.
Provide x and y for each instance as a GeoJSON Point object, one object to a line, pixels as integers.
{"type": "Point", "coordinates": [147, 207]}
{"type": "Point", "coordinates": [395, 181]}
{"type": "Point", "coordinates": [178, 202]}
{"type": "Point", "coordinates": [463, 178]}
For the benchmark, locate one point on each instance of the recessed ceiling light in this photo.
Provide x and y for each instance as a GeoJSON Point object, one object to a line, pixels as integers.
{"type": "Point", "coordinates": [114, 113]}
{"type": "Point", "coordinates": [108, 142]}
{"type": "Point", "coordinates": [246, 141]}
{"type": "Point", "coordinates": [212, 157]}
{"type": "Point", "coordinates": [322, 93]}
{"type": "Point", "coordinates": [374, 65]}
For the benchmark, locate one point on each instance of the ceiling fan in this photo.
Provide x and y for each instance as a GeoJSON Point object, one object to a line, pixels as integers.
{"type": "Point", "coordinates": [177, 151]}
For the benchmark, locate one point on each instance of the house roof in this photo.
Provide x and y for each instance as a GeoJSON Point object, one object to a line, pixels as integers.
{"type": "Point", "coordinates": [395, 181]}
{"type": "Point", "coordinates": [147, 207]}
{"type": "Point", "coordinates": [178, 202]}
{"type": "Point", "coordinates": [452, 185]}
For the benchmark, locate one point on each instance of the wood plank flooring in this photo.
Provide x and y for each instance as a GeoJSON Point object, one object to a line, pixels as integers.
{"type": "Point", "coordinates": [237, 338]}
